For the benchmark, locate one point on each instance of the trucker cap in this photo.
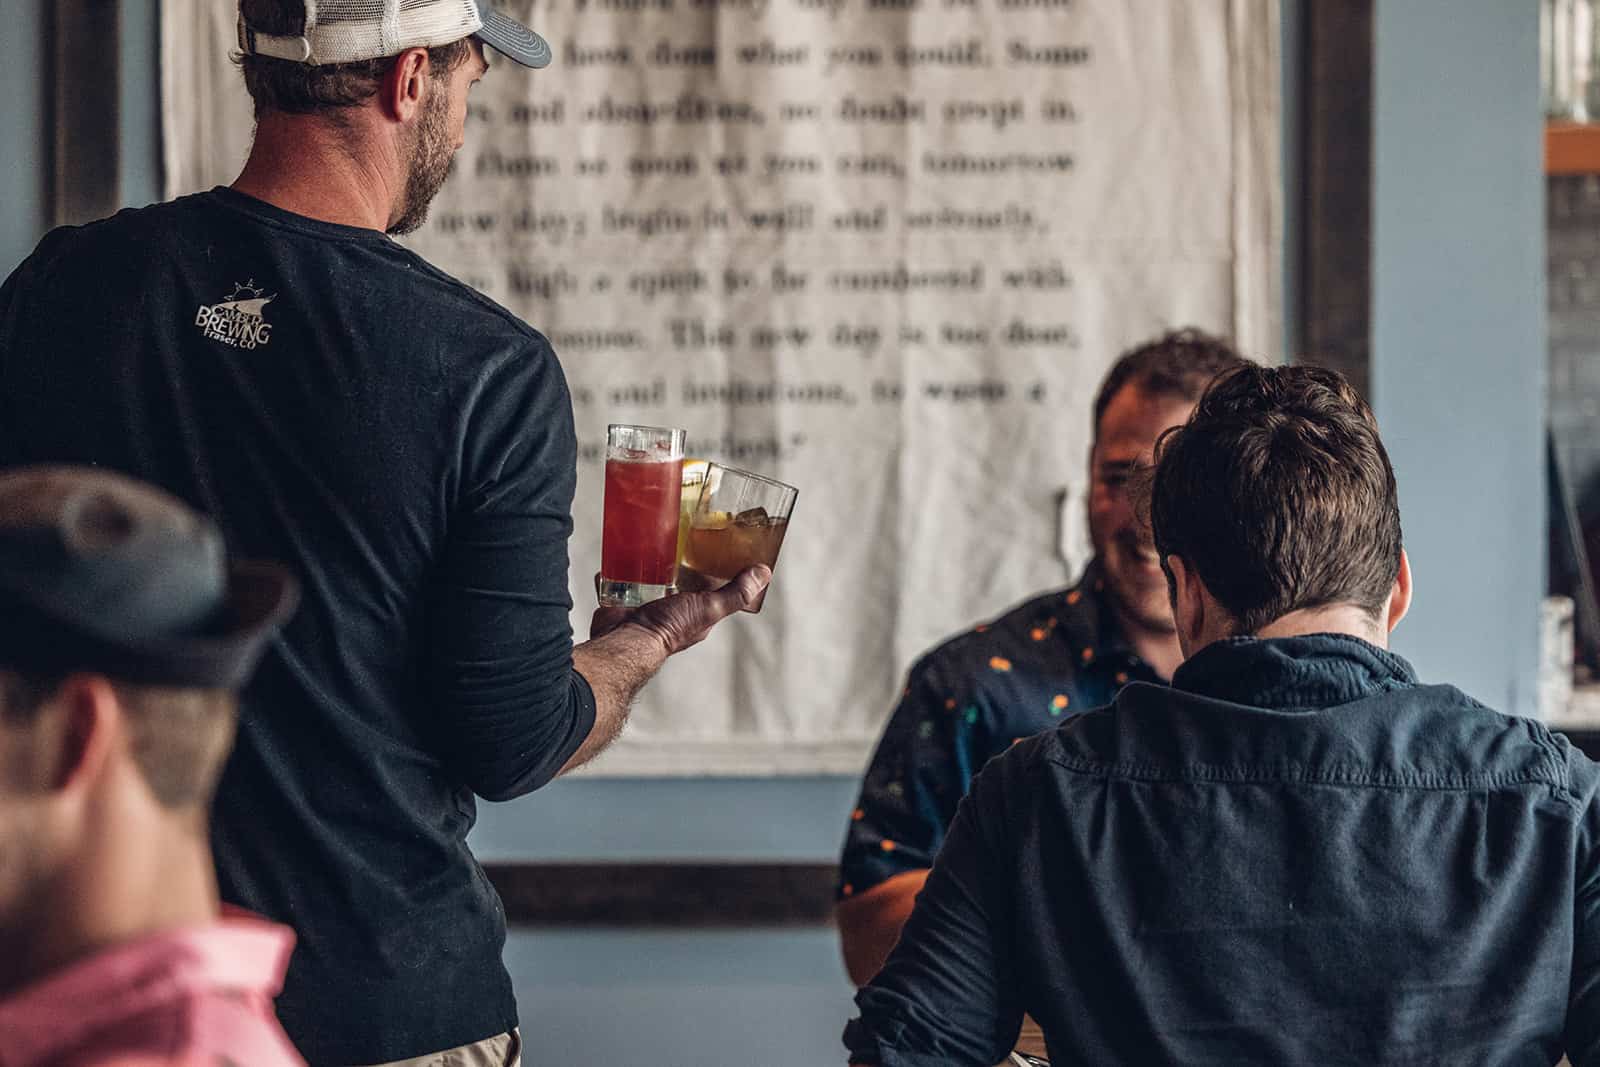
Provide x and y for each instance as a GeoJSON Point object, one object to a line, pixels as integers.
{"type": "Point", "coordinates": [346, 31]}
{"type": "Point", "coordinates": [101, 573]}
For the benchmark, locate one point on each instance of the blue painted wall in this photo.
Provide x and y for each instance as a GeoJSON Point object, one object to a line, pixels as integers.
{"type": "Point", "coordinates": [23, 195]}
{"type": "Point", "coordinates": [1458, 366]}
{"type": "Point", "coordinates": [25, 119]}
{"type": "Point", "coordinates": [139, 114]}
{"type": "Point", "coordinates": [1459, 344]}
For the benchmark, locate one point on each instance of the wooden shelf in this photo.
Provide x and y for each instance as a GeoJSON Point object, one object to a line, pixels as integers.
{"type": "Point", "coordinates": [1572, 148]}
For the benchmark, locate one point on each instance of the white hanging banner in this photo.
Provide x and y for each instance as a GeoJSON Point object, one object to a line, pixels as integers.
{"type": "Point", "coordinates": [882, 250]}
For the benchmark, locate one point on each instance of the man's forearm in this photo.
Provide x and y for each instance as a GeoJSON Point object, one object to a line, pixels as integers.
{"type": "Point", "coordinates": [870, 924]}
{"type": "Point", "coordinates": [616, 665]}
{"type": "Point", "coordinates": [631, 644]}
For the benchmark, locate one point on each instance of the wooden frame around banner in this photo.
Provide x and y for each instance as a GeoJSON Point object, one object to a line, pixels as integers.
{"type": "Point", "coordinates": [85, 109]}
{"type": "Point", "coordinates": [683, 895]}
{"type": "Point", "coordinates": [1336, 63]}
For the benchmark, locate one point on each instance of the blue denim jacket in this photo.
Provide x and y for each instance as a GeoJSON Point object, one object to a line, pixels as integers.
{"type": "Point", "coordinates": [1298, 854]}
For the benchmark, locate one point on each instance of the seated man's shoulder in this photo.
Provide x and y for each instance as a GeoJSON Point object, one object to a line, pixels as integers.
{"type": "Point", "coordinates": [1498, 752]}
{"type": "Point", "coordinates": [996, 643]}
{"type": "Point", "coordinates": [1422, 736]}
{"type": "Point", "coordinates": [1020, 778]}
{"type": "Point", "coordinates": [1446, 721]}
{"type": "Point", "coordinates": [1093, 741]}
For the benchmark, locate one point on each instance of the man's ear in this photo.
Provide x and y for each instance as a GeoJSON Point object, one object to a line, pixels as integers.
{"type": "Point", "coordinates": [403, 88]}
{"type": "Point", "coordinates": [1400, 595]}
{"type": "Point", "coordinates": [90, 718]}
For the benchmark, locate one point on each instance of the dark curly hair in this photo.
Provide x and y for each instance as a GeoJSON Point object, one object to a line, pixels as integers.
{"type": "Point", "coordinates": [1180, 363]}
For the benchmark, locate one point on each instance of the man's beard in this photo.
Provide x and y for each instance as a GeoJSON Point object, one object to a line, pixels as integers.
{"type": "Point", "coordinates": [431, 154]}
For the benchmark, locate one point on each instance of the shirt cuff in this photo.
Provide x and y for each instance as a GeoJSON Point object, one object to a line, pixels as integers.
{"type": "Point", "coordinates": [865, 1048]}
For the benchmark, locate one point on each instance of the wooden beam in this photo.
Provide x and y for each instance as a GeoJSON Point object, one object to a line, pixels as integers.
{"type": "Point", "coordinates": [1572, 148]}
{"type": "Point", "coordinates": [665, 894]}
{"type": "Point", "coordinates": [1336, 269]}
{"type": "Point", "coordinates": [1585, 741]}
{"type": "Point", "coordinates": [85, 80]}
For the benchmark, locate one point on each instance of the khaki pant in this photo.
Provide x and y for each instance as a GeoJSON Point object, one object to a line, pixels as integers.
{"type": "Point", "coordinates": [503, 1050]}
{"type": "Point", "coordinates": [1030, 1041]}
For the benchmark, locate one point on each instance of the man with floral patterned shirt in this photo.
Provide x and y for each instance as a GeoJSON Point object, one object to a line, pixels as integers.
{"type": "Point", "coordinates": [1058, 654]}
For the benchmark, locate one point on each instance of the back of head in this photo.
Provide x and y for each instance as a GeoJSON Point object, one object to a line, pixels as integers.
{"type": "Point", "coordinates": [326, 89]}
{"type": "Point", "coordinates": [1278, 493]}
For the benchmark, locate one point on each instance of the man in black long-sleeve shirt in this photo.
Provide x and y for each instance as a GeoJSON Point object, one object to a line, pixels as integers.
{"type": "Point", "coordinates": [269, 354]}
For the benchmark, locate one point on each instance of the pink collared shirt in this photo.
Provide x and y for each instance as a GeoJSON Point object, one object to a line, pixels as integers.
{"type": "Point", "coordinates": [190, 996]}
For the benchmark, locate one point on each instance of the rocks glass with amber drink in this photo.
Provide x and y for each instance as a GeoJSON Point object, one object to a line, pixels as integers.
{"type": "Point", "coordinates": [639, 539]}
{"type": "Point", "coordinates": [739, 521]}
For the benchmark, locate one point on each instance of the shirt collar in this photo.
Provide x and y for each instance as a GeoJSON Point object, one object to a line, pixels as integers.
{"type": "Point", "coordinates": [1310, 671]}
{"type": "Point", "coordinates": [232, 954]}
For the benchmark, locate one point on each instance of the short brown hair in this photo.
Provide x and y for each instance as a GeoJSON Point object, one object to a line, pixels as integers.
{"type": "Point", "coordinates": [299, 89]}
{"type": "Point", "coordinates": [180, 737]}
{"type": "Point", "coordinates": [1178, 363]}
{"type": "Point", "coordinates": [1278, 493]}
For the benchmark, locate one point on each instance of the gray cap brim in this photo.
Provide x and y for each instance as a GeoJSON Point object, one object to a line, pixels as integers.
{"type": "Point", "coordinates": [513, 39]}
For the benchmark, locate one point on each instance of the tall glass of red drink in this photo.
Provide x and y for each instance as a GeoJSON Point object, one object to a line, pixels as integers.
{"type": "Point", "coordinates": [639, 541]}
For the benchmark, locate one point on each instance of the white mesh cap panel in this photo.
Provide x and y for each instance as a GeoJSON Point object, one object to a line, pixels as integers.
{"type": "Point", "coordinates": [425, 23]}
{"type": "Point", "coordinates": [344, 31]}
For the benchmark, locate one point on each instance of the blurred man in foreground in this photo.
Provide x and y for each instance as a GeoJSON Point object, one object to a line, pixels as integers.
{"type": "Point", "coordinates": [123, 636]}
{"type": "Point", "coordinates": [1298, 853]}
{"type": "Point", "coordinates": [1056, 655]}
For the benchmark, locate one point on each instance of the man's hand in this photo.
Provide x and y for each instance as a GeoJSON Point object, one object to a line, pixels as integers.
{"type": "Point", "coordinates": [627, 646]}
{"type": "Point", "coordinates": [684, 619]}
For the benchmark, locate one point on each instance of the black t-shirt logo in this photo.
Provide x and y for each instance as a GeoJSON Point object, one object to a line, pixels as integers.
{"type": "Point", "coordinates": [239, 319]}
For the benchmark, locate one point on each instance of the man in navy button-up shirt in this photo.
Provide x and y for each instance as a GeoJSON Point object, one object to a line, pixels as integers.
{"type": "Point", "coordinates": [1299, 853]}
